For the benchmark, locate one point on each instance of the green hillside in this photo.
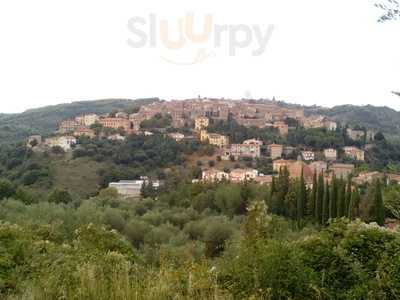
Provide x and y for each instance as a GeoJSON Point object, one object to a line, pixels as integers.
{"type": "Point", "coordinates": [382, 118]}
{"type": "Point", "coordinates": [15, 127]}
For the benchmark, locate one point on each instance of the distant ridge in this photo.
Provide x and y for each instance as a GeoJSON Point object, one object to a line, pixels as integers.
{"type": "Point", "coordinates": [16, 127]}
{"type": "Point", "coordinates": [44, 120]}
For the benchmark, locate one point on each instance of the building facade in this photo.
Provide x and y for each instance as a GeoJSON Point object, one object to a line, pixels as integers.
{"type": "Point", "coordinates": [307, 155]}
{"type": "Point", "coordinates": [275, 151]}
{"type": "Point", "coordinates": [201, 123]}
{"type": "Point", "coordinates": [116, 123]}
{"type": "Point", "coordinates": [342, 170]}
{"type": "Point", "coordinates": [354, 153]}
{"type": "Point", "coordinates": [330, 154]}
{"type": "Point", "coordinates": [242, 175]}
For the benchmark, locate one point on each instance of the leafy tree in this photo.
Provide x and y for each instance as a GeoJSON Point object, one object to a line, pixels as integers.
{"type": "Point", "coordinates": [148, 189]}
{"type": "Point", "coordinates": [136, 231]}
{"type": "Point", "coordinates": [33, 143]}
{"type": "Point", "coordinates": [25, 196]}
{"type": "Point", "coordinates": [60, 196]}
{"type": "Point", "coordinates": [392, 200]}
{"type": "Point", "coordinates": [97, 128]}
{"type": "Point", "coordinates": [57, 150]}
{"type": "Point", "coordinates": [31, 177]}
{"type": "Point", "coordinates": [114, 219]}
{"type": "Point", "coordinates": [6, 189]}
{"type": "Point", "coordinates": [379, 136]}
{"type": "Point", "coordinates": [228, 199]}
{"type": "Point", "coordinates": [158, 121]}
{"type": "Point", "coordinates": [215, 236]}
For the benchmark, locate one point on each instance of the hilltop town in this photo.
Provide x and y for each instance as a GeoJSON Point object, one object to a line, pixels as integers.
{"type": "Point", "coordinates": [190, 120]}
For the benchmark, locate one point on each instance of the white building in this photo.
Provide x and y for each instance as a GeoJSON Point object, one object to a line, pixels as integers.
{"type": "Point", "coordinates": [176, 136]}
{"type": "Point", "coordinates": [253, 142]}
{"type": "Point", "coordinates": [330, 154]}
{"type": "Point", "coordinates": [241, 175]}
{"type": "Point", "coordinates": [214, 175]}
{"type": "Point", "coordinates": [131, 188]}
{"type": "Point", "coordinates": [308, 155]}
{"type": "Point", "coordinates": [65, 142]}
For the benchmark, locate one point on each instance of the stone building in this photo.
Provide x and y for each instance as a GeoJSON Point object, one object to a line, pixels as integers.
{"type": "Point", "coordinates": [68, 126]}
{"type": "Point", "coordinates": [214, 175]}
{"type": "Point", "coordinates": [244, 150]}
{"type": "Point", "coordinates": [354, 153]}
{"type": "Point", "coordinates": [201, 123]}
{"type": "Point", "coordinates": [87, 120]}
{"type": "Point", "coordinates": [242, 175]}
{"type": "Point", "coordinates": [342, 170]}
{"type": "Point", "coordinates": [330, 154]}
{"type": "Point", "coordinates": [282, 127]}
{"type": "Point", "coordinates": [215, 139]}
{"type": "Point", "coordinates": [65, 142]}
{"type": "Point", "coordinates": [279, 164]}
{"type": "Point", "coordinates": [84, 131]}
{"type": "Point", "coordinates": [117, 123]}
{"type": "Point", "coordinates": [275, 150]}
{"type": "Point", "coordinates": [318, 167]}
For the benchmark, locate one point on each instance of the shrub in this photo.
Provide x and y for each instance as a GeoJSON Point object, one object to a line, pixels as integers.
{"type": "Point", "coordinates": [60, 196]}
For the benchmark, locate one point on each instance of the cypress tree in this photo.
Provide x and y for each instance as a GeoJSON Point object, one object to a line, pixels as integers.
{"type": "Point", "coordinates": [313, 197]}
{"type": "Point", "coordinates": [341, 207]}
{"type": "Point", "coordinates": [333, 199]}
{"type": "Point", "coordinates": [301, 197]}
{"type": "Point", "coordinates": [379, 208]}
{"type": "Point", "coordinates": [282, 189]}
{"type": "Point", "coordinates": [273, 187]}
{"type": "Point", "coordinates": [291, 201]}
{"type": "Point", "coordinates": [356, 203]}
{"type": "Point", "coordinates": [273, 196]}
{"type": "Point", "coordinates": [320, 197]}
{"type": "Point", "coordinates": [348, 197]}
{"type": "Point", "coordinates": [325, 204]}
{"type": "Point", "coordinates": [353, 211]}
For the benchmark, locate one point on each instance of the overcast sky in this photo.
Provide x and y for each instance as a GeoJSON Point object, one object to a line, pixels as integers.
{"type": "Point", "coordinates": [324, 52]}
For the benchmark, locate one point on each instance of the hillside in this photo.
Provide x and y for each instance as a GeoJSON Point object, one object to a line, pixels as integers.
{"type": "Point", "coordinates": [15, 127]}
{"type": "Point", "coordinates": [381, 118]}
